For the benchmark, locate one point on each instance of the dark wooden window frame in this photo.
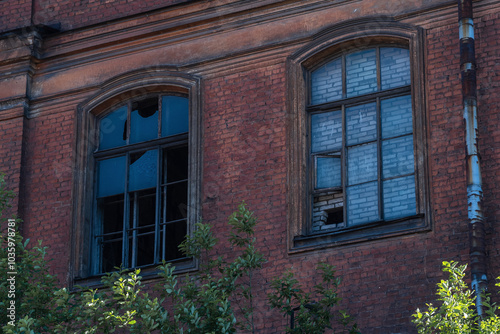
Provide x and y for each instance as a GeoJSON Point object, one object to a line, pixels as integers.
{"type": "Point", "coordinates": [127, 87]}
{"type": "Point", "coordinates": [325, 46]}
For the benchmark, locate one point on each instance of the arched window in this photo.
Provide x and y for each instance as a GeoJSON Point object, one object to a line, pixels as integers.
{"type": "Point", "coordinates": [360, 131]}
{"type": "Point", "coordinates": [138, 194]}
{"type": "Point", "coordinates": [141, 183]}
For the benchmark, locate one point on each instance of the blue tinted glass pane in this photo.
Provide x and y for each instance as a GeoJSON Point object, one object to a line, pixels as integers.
{"type": "Point", "coordinates": [111, 176]}
{"type": "Point", "coordinates": [112, 129]}
{"type": "Point", "coordinates": [362, 204]}
{"type": "Point", "coordinates": [175, 115]}
{"type": "Point", "coordinates": [394, 67]}
{"type": "Point", "coordinates": [328, 172]}
{"type": "Point", "coordinates": [361, 123]}
{"type": "Point", "coordinates": [326, 129]}
{"type": "Point", "coordinates": [142, 170]}
{"type": "Point", "coordinates": [396, 116]}
{"type": "Point", "coordinates": [361, 72]}
{"type": "Point", "coordinates": [362, 163]}
{"type": "Point", "coordinates": [399, 197]}
{"type": "Point", "coordinates": [397, 156]}
{"type": "Point", "coordinates": [144, 120]}
{"type": "Point", "coordinates": [326, 82]}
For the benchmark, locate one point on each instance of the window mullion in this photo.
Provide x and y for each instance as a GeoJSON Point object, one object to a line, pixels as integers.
{"type": "Point", "coordinates": [129, 121]}
{"type": "Point", "coordinates": [164, 209]}
{"type": "Point", "coordinates": [343, 169]}
{"type": "Point", "coordinates": [126, 204]}
{"type": "Point", "coordinates": [135, 223]}
{"type": "Point", "coordinates": [126, 216]}
{"type": "Point", "coordinates": [97, 229]}
{"type": "Point", "coordinates": [379, 159]}
{"type": "Point", "coordinates": [378, 66]}
{"type": "Point", "coordinates": [344, 83]}
{"type": "Point", "coordinates": [159, 175]}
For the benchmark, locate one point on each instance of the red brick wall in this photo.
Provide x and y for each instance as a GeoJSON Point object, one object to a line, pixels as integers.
{"type": "Point", "coordinates": [48, 173]}
{"type": "Point", "coordinates": [244, 158]}
{"type": "Point", "coordinates": [70, 14]}
{"type": "Point", "coordinates": [488, 78]}
{"type": "Point", "coordinates": [14, 14]}
{"type": "Point", "coordinates": [10, 157]}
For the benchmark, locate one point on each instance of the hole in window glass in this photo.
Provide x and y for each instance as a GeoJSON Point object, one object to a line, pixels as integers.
{"type": "Point", "coordinates": [334, 216]}
{"type": "Point", "coordinates": [324, 204]}
{"type": "Point", "coordinates": [113, 129]}
{"type": "Point", "coordinates": [144, 120]}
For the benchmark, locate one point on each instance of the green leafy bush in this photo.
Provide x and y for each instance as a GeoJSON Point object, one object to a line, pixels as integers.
{"type": "Point", "coordinates": [210, 302]}
{"type": "Point", "coordinates": [313, 312]}
{"type": "Point", "coordinates": [457, 313]}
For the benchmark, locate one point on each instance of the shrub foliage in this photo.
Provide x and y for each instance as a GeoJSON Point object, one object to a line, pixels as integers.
{"type": "Point", "coordinates": [218, 299]}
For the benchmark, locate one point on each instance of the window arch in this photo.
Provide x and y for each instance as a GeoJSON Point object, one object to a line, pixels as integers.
{"type": "Point", "coordinates": [138, 197]}
{"type": "Point", "coordinates": [358, 129]}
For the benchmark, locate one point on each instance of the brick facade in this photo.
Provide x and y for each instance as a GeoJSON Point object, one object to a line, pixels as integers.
{"type": "Point", "coordinates": [240, 50]}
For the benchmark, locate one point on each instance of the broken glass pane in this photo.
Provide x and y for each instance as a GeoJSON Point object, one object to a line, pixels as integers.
{"type": "Point", "coordinates": [111, 176]}
{"type": "Point", "coordinates": [361, 123]}
{"type": "Point", "coordinates": [328, 173]}
{"type": "Point", "coordinates": [144, 120]}
{"type": "Point", "coordinates": [361, 72]}
{"type": "Point", "coordinates": [394, 67]}
{"type": "Point", "coordinates": [326, 82]}
{"type": "Point", "coordinates": [142, 170]}
{"type": "Point", "coordinates": [326, 129]}
{"type": "Point", "coordinates": [175, 115]}
{"type": "Point", "coordinates": [113, 129]}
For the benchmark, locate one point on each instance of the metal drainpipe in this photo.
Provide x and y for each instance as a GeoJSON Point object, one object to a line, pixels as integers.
{"type": "Point", "coordinates": [477, 249]}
